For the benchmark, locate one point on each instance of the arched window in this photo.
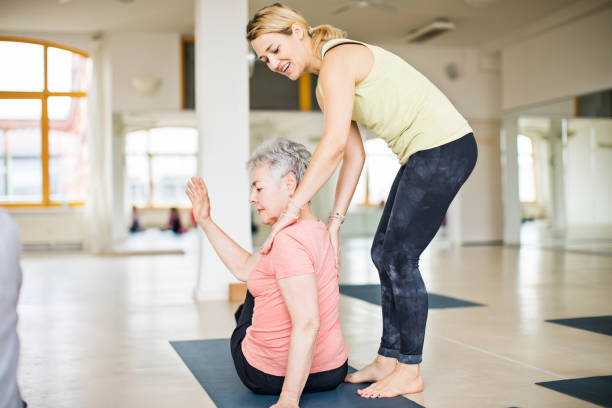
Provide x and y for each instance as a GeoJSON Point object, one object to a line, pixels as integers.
{"type": "Point", "coordinates": [526, 164]}
{"type": "Point", "coordinates": [43, 123]}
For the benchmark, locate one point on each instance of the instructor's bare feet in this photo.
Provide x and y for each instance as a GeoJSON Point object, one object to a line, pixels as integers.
{"type": "Point", "coordinates": [405, 379]}
{"type": "Point", "coordinates": [379, 368]}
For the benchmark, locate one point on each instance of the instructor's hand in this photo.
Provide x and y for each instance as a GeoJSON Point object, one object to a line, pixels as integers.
{"type": "Point", "coordinates": [282, 222]}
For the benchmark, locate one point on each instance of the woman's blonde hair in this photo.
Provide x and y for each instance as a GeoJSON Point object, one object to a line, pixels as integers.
{"type": "Point", "coordinates": [279, 18]}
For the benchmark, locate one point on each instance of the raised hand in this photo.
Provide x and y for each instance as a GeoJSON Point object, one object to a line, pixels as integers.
{"type": "Point", "coordinates": [198, 195]}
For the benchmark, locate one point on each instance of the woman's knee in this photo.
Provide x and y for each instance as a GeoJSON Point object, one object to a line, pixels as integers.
{"type": "Point", "coordinates": [376, 253]}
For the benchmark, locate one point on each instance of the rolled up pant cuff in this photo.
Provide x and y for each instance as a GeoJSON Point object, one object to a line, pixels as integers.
{"type": "Point", "coordinates": [387, 352]}
{"type": "Point", "coordinates": [409, 358]}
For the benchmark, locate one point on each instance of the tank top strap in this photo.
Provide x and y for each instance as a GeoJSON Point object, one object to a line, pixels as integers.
{"type": "Point", "coordinates": [329, 44]}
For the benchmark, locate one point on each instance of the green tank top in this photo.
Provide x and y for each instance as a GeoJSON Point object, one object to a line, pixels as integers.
{"type": "Point", "coordinates": [402, 106]}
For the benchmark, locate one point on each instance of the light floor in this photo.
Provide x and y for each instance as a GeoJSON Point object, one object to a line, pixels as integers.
{"type": "Point", "coordinates": [95, 330]}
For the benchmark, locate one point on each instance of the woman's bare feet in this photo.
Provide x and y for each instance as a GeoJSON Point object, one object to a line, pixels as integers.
{"type": "Point", "coordinates": [379, 368]}
{"type": "Point", "coordinates": [405, 379]}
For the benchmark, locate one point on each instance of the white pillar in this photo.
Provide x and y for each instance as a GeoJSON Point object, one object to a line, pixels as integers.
{"type": "Point", "coordinates": [510, 183]}
{"type": "Point", "coordinates": [99, 208]}
{"type": "Point", "coordinates": [222, 110]}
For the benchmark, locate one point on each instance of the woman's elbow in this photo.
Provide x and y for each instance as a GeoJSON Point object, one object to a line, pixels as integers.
{"type": "Point", "coordinates": [309, 325]}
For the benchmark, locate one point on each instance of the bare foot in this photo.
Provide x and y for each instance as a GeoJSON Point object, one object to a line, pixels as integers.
{"type": "Point", "coordinates": [379, 368]}
{"type": "Point", "coordinates": [405, 379]}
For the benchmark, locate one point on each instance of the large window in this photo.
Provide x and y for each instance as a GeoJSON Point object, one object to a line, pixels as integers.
{"type": "Point", "coordinates": [159, 161]}
{"type": "Point", "coordinates": [43, 123]}
{"type": "Point", "coordinates": [378, 173]}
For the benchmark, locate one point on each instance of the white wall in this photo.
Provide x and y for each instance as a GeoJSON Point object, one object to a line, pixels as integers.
{"type": "Point", "coordinates": [135, 55]}
{"type": "Point", "coordinates": [569, 60]}
{"type": "Point", "coordinates": [475, 215]}
{"type": "Point", "coordinates": [476, 93]}
{"type": "Point", "coordinates": [53, 227]}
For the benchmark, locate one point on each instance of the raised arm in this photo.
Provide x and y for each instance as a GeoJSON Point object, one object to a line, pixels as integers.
{"type": "Point", "coordinates": [239, 261]}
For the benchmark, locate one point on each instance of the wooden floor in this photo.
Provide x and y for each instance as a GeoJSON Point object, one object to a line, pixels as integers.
{"type": "Point", "coordinates": [95, 330]}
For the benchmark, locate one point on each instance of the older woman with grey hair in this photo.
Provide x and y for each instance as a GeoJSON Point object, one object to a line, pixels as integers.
{"type": "Point", "coordinates": [288, 338]}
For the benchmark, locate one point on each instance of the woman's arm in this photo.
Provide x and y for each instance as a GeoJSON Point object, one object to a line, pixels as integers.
{"type": "Point", "coordinates": [300, 295]}
{"type": "Point", "coordinates": [239, 261]}
{"type": "Point", "coordinates": [352, 165]}
{"type": "Point", "coordinates": [337, 78]}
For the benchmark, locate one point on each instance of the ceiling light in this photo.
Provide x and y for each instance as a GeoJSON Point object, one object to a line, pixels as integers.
{"type": "Point", "coordinates": [429, 31]}
{"type": "Point", "coordinates": [480, 3]}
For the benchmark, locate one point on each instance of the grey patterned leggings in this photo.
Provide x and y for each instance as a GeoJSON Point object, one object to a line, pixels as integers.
{"type": "Point", "coordinates": [419, 198]}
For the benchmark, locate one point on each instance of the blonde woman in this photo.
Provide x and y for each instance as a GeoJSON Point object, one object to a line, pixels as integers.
{"type": "Point", "coordinates": [362, 83]}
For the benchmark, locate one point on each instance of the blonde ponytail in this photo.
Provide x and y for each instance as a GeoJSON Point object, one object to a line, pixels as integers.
{"type": "Point", "coordinates": [279, 18]}
{"type": "Point", "coordinates": [324, 32]}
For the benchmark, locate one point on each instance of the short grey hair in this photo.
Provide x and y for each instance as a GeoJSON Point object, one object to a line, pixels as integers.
{"type": "Point", "coordinates": [283, 156]}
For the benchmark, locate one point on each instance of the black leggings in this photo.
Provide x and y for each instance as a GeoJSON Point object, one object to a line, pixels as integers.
{"type": "Point", "coordinates": [262, 383]}
{"type": "Point", "coordinates": [419, 198]}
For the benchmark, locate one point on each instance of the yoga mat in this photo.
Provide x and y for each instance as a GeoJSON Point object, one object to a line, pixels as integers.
{"type": "Point", "coordinates": [211, 363]}
{"type": "Point", "coordinates": [371, 293]}
{"type": "Point", "coordinates": [597, 390]}
{"type": "Point", "coordinates": [597, 324]}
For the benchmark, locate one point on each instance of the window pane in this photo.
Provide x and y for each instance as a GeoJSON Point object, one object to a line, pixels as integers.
{"type": "Point", "coordinates": [68, 158]}
{"type": "Point", "coordinates": [524, 145]}
{"type": "Point", "coordinates": [2, 164]}
{"type": "Point", "coordinates": [174, 140]}
{"type": "Point", "coordinates": [359, 197]}
{"type": "Point", "coordinates": [137, 168]}
{"type": "Point", "coordinates": [527, 191]}
{"type": "Point", "coordinates": [24, 181]}
{"type": "Point", "coordinates": [20, 148]}
{"type": "Point", "coordinates": [20, 109]}
{"type": "Point", "coordinates": [2, 176]}
{"type": "Point", "coordinates": [22, 67]}
{"type": "Point", "coordinates": [170, 175]}
{"type": "Point", "coordinates": [136, 142]}
{"type": "Point", "coordinates": [382, 169]}
{"type": "Point", "coordinates": [68, 72]}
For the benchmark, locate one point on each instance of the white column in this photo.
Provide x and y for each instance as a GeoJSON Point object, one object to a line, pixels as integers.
{"type": "Point", "coordinates": [99, 207]}
{"type": "Point", "coordinates": [222, 110]}
{"type": "Point", "coordinates": [510, 183]}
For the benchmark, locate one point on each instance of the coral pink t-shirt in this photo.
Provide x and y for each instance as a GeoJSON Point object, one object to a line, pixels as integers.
{"type": "Point", "coordinates": [299, 249]}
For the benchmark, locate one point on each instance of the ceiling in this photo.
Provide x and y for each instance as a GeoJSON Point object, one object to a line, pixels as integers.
{"type": "Point", "coordinates": [477, 21]}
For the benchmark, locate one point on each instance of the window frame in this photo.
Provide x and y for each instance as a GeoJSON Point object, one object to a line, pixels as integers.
{"type": "Point", "coordinates": [44, 121]}
{"type": "Point", "coordinates": [149, 205]}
